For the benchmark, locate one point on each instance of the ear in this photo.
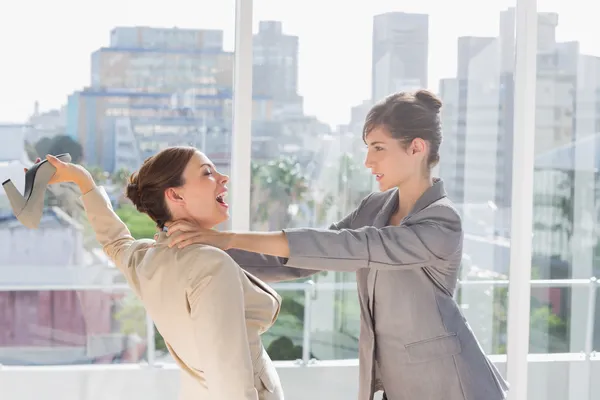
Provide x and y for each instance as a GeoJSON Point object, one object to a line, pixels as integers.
{"type": "Point", "coordinates": [173, 195]}
{"type": "Point", "coordinates": [418, 145]}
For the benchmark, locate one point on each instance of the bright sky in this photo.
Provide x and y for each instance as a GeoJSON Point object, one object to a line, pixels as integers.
{"type": "Point", "coordinates": [46, 45]}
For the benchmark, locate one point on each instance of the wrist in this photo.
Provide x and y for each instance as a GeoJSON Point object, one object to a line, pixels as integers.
{"type": "Point", "coordinates": [86, 183]}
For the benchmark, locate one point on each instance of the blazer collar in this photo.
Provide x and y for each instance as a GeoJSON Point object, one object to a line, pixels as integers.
{"type": "Point", "coordinates": [431, 195]}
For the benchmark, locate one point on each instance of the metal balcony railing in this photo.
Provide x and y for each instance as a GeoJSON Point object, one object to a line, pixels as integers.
{"type": "Point", "coordinates": [309, 288]}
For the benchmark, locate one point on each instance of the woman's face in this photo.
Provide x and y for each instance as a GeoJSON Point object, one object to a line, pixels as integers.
{"type": "Point", "coordinates": [202, 196]}
{"type": "Point", "coordinates": [390, 161]}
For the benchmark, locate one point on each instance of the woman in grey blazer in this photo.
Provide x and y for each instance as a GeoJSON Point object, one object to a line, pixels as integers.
{"type": "Point", "coordinates": [405, 245]}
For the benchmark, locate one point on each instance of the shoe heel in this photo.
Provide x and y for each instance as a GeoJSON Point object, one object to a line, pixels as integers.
{"type": "Point", "coordinates": [29, 206]}
{"type": "Point", "coordinates": [15, 198]}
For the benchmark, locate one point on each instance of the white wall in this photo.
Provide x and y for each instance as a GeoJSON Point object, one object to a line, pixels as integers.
{"type": "Point", "coordinates": [547, 381]}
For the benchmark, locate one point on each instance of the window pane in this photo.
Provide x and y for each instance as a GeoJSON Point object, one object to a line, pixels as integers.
{"type": "Point", "coordinates": [112, 86]}
{"type": "Point", "coordinates": [565, 208]}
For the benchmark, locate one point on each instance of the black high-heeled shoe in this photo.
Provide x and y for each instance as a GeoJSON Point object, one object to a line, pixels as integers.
{"type": "Point", "coordinates": [29, 207]}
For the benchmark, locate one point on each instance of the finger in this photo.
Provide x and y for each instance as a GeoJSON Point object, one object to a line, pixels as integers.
{"type": "Point", "coordinates": [25, 169]}
{"type": "Point", "coordinates": [55, 161]}
{"type": "Point", "coordinates": [187, 242]}
{"type": "Point", "coordinates": [175, 240]}
{"type": "Point", "coordinates": [182, 226]}
{"type": "Point", "coordinates": [171, 227]}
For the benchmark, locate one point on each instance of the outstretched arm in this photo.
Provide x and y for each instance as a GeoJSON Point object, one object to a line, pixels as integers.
{"type": "Point", "coordinates": [432, 237]}
{"type": "Point", "coordinates": [269, 268]}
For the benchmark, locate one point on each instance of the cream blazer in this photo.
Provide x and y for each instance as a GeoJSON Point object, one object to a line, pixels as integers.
{"type": "Point", "coordinates": [209, 311]}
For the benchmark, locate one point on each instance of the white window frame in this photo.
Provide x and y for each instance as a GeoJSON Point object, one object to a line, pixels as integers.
{"type": "Point", "coordinates": [241, 146]}
{"type": "Point", "coordinates": [519, 288]}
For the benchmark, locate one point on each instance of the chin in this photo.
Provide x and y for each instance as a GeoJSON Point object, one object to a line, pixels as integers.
{"type": "Point", "coordinates": [223, 217]}
{"type": "Point", "coordinates": [384, 187]}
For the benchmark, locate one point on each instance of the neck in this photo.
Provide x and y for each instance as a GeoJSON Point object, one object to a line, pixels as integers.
{"type": "Point", "coordinates": [191, 220]}
{"type": "Point", "coordinates": [410, 192]}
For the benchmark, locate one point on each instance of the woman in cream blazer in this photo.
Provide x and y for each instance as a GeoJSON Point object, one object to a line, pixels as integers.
{"type": "Point", "coordinates": [210, 312]}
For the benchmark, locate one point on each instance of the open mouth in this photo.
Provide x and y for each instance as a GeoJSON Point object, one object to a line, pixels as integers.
{"type": "Point", "coordinates": [221, 199]}
{"type": "Point", "coordinates": [378, 177]}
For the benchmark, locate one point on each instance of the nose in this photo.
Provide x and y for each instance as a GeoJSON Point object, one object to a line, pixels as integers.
{"type": "Point", "coordinates": [224, 179]}
{"type": "Point", "coordinates": [368, 161]}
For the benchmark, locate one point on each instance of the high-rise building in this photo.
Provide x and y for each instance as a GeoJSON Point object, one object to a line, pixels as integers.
{"type": "Point", "coordinates": [400, 53]}
{"type": "Point", "coordinates": [275, 69]}
{"type": "Point", "coordinates": [154, 88]}
{"type": "Point", "coordinates": [144, 37]}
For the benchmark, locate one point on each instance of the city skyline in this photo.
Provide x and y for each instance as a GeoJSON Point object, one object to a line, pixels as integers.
{"type": "Point", "coordinates": [328, 58]}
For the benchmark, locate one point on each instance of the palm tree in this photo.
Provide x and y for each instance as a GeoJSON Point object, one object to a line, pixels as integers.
{"type": "Point", "coordinates": [121, 176]}
{"type": "Point", "coordinates": [98, 174]}
{"type": "Point", "coordinates": [277, 186]}
{"type": "Point", "coordinates": [353, 184]}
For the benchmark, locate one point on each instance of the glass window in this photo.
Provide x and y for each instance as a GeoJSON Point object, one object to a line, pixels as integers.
{"type": "Point", "coordinates": [62, 302]}
{"type": "Point", "coordinates": [323, 77]}
{"type": "Point", "coordinates": [564, 317]}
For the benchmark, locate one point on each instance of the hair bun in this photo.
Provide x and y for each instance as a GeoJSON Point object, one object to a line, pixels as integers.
{"type": "Point", "coordinates": [429, 100]}
{"type": "Point", "coordinates": [134, 194]}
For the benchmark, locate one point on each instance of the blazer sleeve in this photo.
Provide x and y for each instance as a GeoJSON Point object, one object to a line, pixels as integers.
{"type": "Point", "coordinates": [430, 239]}
{"type": "Point", "coordinates": [278, 269]}
{"type": "Point", "coordinates": [112, 234]}
{"type": "Point", "coordinates": [268, 268]}
{"type": "Point", "coordinates": [216, 304]}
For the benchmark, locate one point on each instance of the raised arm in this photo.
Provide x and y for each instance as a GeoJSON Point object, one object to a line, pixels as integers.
{"type": "Point", "coordinates": [216, 301]}
{"type": "Point", "coordinates": [112, 234]}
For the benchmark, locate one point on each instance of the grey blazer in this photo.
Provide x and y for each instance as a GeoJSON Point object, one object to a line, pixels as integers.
{"type": "Point", "coordinates": [413, 336]}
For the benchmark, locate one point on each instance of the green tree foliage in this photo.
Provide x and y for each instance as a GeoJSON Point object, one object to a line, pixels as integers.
{"type": "Point", "coordinates": [140, 225]}
{"type": "Point", "coordinates": [58, 145]}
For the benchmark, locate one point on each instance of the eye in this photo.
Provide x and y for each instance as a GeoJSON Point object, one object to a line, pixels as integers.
{"type": "Point", "coordinates": [378, 148]}
{"type": "Point", "coordinates": [208, 171]}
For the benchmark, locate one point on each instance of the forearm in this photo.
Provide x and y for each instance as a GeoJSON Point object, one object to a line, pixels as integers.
{"type": "Point", "coordinates": [269, 243]}
{"type": "Point", "coordinates": [112, 234]}
{"type": "Point", "coordinates": [268, 268]}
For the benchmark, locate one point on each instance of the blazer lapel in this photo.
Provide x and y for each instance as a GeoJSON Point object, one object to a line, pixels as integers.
{"type": "Point", "coordinates": [390, 205]}
{"type": "Point", "coordinates": [381, 220]}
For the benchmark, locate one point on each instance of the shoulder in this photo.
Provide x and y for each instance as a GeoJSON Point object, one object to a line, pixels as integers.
{"type": "Point", "coordinates": [205, 261]}
{"type": "Point", "coordinates": [441, 212]}
{"type": "Point", "coordinates": [440, 225]}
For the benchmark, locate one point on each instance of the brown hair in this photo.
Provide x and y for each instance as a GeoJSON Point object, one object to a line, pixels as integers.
{"type": "Point", "coordinates": [409, 115]}
{"type": "Point", "coordinates": [164, 170]}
